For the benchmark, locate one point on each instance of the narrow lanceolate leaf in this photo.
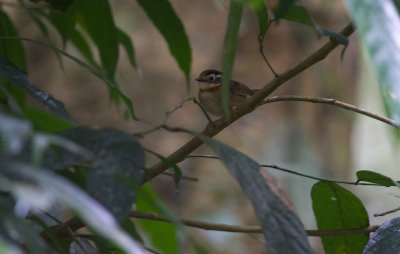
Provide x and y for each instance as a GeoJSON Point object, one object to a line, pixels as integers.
{"type": "Point", "coordinates": [11, 50]}
{"type": "Point", "coordinates": [167, 22]}
{"type": "Point", "coordinates": [386, 239]}
{"type": "Point", "coordinates": [96, 18]}
{"type": "Point", "coordinates": [55, 188]}
{"type": "Point", "coordinates": [16, 76]}
{"type": "Point", "coordinates": [378, 25]}
{"type": "Point", "coordinates": [126, 42]}
{"type": "Point", "coordinates": [283, 231]}
{"type": "Point", "coordinates": [228, 59]}
{"type": "Point", "coordinates": [337, 208]}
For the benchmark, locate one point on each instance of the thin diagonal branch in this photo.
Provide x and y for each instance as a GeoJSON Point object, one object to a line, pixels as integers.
{"type": "Point", "coordinates": [285, 170]}
{"type": "Point", "coordinates": [217, 126]}
{"type": "Point", "coordinates": [332, 102]}
{"type": "Point", "coordinates": [246, 229]}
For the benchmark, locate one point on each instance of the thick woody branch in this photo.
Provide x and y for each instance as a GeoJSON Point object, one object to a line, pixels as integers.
{"type": "Point", "coordinates": [248, 229]}
{"type": "Point", "coordinates": [215, 127]}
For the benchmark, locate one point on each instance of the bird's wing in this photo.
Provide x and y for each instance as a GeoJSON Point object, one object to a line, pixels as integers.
{"type": "Point", "coordinates": [240, 89]}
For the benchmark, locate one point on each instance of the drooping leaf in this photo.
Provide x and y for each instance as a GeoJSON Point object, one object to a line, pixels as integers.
{"type": "Point", "coordinates": [163, 236]}
{"type": "Point", "coordinates": [386, 239]}
{"type": "Point", "coordinates": [167, 22]}
{"type": "Point", "coordinates": [119, 159]}
{"type": "Point", "coordinates": [378, 24]}
{"type": "Point", "coordinates": [337, 208]}
{"type": "Point", "coordinates": [228, 58]}
{"type": "Point", "coordinates": [53, 187]}
{"type": "Point", "coordinates": [16, 76]}
{"type": "Point", "coordinates": [374, 177]}
{"type": "Point", "coordinates": [126, 42]}
{"type": "Point", "coordinates": [282, 7]}
{"type": "Point", "coordinates": [97, 20]}
{"type": "Point", "coordinates": [298, 14]}
{"type": "Point", "coordinates": [283, 231]}
{"type": "Point", "coordinates": [13, 51]}
{"type": "Point", "coordinates": [43, 121]}
{"type": "Point", "coordinates": [262, 15]}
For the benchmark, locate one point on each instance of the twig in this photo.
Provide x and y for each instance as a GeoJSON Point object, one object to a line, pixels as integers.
{"type": "Point", "coordinates": [285, 170]}
{"type": "Point", "coordinates": [333, 102]}
{"type": "Point", "coordinates": [387, 212]}
{"type": "Point", "coordinates": [246, 229]}
{"type": "Point", "coordinates": [261, 49]}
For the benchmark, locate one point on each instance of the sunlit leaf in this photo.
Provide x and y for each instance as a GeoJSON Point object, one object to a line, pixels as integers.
{"type": "Point", "coordinates": [283, 230]}
{"type": "Point", "coordinates": [167, 22]}
{"type": "Point", "coordinates": [378, 24]}
{"type": "Point", "coordinates": [228, 58]}
{"type": "Point", "coordinates": [386, 239]}
{"type": "Point", "coordinates": [16, 76]}
{"type": "Point", "coordinates": [337, 208]}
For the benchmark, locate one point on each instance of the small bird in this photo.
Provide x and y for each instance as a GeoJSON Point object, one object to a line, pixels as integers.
{"type": "Point", "coordinates": [210, 84]}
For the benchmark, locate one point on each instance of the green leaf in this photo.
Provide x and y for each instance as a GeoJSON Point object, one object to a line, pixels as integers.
{"type": "Point", "coordinates": [13, 51]}
{"type": "Point", "coordinates": [337, 208]}
{"type": "Point", "coordinates": [299, 14]}
{"type": "Point", "coordinates": [97, 20]}
{"type": "Point", "coordinates": [167, 22]}
{"type": "Point", "coordinates": [374, 177]}
{"type": "Point", "coordinates": [377, 24]}
{"type": "Point", "coordinates": [228, 58]}
{"type": "Point", "coordinates": [14, 133]}
{"type": "Point", "coordinates": [16, 76]}
{"type": "Point", "coordinates": [262, 15]}
{"type": "Point", "coordinates": [126, 42]}
{"type": "Point", "coordinates": [163, 235]}
{"type": "Point", "coordinates": [282, 229]}
{"type": "Point", "coordinates": [119, 159]}
{"type": "Point", "coordinates": [54, 188]}
{"type": "Point", "coordinates": [43, 121]}
{"type": "Point", "coordinates": [282, 8]}
{"type": "Point", "coordinates": [386, 239]}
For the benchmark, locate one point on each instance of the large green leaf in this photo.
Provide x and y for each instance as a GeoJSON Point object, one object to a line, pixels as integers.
{"type": "Point", "coordinates": [386, 239]}
{"type": "Point", "coordinates": [378, 25]}
{"type": "Point", "coordinates": [163, 235]}
{"type": "Point", "coordinates": [228, 58]}
{"type": "Point", "coordinates": [16, 76]}
{"type": "Point", "coordinates": [119, 159]}
{"type": "Point", "coordinates": [51, 188]}
{"type": "Point", "coordinates": [167, 22]}
{"type": "Point", "coordinates": [337, 208]}
{"type": "Point", "coordinates": [283, 231]}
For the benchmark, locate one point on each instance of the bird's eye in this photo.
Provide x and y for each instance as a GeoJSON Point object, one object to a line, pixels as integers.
{"type": "Point", "coordinates": [212, 77]}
